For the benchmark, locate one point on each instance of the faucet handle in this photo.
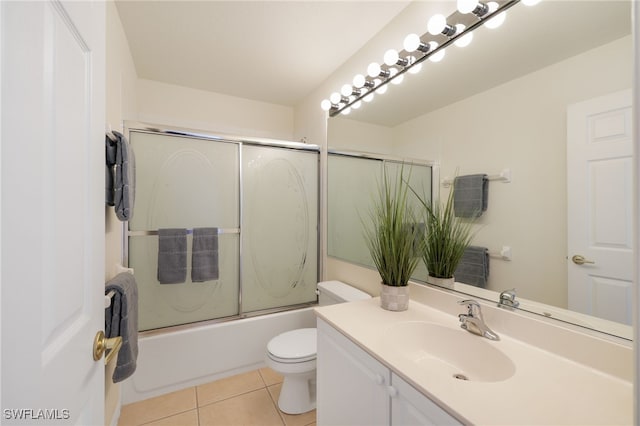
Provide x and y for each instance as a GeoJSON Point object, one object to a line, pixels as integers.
{"type": "Point", "coordinates": [472, 305]}
{"type": "Point", "coordinates": [508, 299]}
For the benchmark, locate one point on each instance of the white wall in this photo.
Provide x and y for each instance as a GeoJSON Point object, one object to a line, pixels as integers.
{"type": "Point", "coordinates": [121, 98]}
{"type": "Point", "coordinates": [526, 133]}
{"type": "Point", "coordinates": [121, 104]}
{"type": "Point", "coordinates": [357, 136]}
{"type": "Point", "coordinates": [161, 103]}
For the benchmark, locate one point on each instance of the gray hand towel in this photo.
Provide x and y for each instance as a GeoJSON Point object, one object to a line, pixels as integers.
{"type": "Point", "coordinates": [470, 195]}
{"type": "Point", "coordinates": [172, 255]}
{"type": "Point", "coordinates": [121, 319]}
{"type": "Point", "coordinates": [473, 268]}
{"type": "Point", "coordinates": [204, 259]}
{"type": "Point", "coordinates": [124, 179]}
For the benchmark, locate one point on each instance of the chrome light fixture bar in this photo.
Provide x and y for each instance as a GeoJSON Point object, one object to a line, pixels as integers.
{"type": "Point", "coordinates": [442, 32]}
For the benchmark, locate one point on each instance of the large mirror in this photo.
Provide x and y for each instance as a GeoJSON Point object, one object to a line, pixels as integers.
{"type": "Point", "coordinates": [532, 98]}
{"type": "Point", "coordinates": [353, 186]}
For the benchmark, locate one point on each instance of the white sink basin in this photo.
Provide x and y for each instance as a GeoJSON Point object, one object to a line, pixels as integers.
{"type": "Point", "coordinates": [456, 353]}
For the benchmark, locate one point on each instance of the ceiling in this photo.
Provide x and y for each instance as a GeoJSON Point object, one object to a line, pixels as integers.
{"type": "Point", "coordinates": [271, 51]}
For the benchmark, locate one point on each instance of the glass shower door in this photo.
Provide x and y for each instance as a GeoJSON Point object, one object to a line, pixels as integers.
{"type": "Point", "coordinates": [184, 182]}
{"type": "Point", "coordinates": [279, 229]}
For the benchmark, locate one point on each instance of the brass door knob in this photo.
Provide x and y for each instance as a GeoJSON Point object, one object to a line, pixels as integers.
{"type": "Point", "coordinates": [101, 344]}
{"type": "Point", "coordinates": [580, 260]}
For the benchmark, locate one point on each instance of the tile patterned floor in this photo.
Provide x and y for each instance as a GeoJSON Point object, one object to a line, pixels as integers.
{"type": "Point", "coordinates": [246, 399]}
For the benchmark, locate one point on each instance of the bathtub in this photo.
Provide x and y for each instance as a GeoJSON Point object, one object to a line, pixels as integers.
{"type": "Point", "coordinates": [174, 360]}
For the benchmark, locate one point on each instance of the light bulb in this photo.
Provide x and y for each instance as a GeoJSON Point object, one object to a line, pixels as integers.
{"type": "Point", "coordinates": [374, 69]}
{"type": "Point", "coordinates": [369, 97]}
{"type": "Point", "coordinates": [345, 111]}
{"type": "Point", "coordinates": [439, 55]}
{"type": "Point", "coordinates": [497, 20]}
{"type": "Point", "coordinates": [358, 81]}
{"type": "Point", "coordinates": [356, 105]}
{"type": "Point", "coordinates": [325, 105]}
{"type": "Point", "coordinates": [411, 43]}
{"type": "Point", "coordinates": [530, 2]}
{"type": "Point", "coordinates": [467, 6]}
{"type": "Point", "coordinates": [346, 90]}
{"type": "Point", "coordinates": [391, 57]}
{"type": "Point", "coordinates": [465, 39]}
{"type": "Point", "coordinates": [436, 24]}
{"type": "Point", "coordinates": [335, 98]}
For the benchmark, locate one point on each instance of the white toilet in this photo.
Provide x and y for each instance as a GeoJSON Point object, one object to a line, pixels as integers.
{"type": "Point", "coordinates": [293, 353]}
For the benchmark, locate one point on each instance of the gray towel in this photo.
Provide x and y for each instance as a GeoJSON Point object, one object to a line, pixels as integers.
{"type": "Point", "coordinates": [473, 268]}
{"type": "Point", "coordinates": [121, 319]}
{"type": "Point", "coordinates": [470, 195]}
{"type": "Point", "coordinates": [124, 178]}
{"type": "Point", "coordinates": [110, 156]}
{"type": "Point", "coordinates": [172, 255]}
{"type": "Point", "coordinates": [204, 259]}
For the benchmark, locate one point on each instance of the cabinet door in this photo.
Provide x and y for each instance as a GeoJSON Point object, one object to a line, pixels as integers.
{"type": "Point", "coordinates": [410, 407]}
{"type": "Point", "coordinates": [351, 385]}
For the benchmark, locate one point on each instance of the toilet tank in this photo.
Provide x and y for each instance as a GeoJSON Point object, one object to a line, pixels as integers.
{"type": "Point", "coordinates": [332, 292]}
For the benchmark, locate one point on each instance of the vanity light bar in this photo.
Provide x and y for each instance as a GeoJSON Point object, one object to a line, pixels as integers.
{"type": "Point", "coordinates": [428, 47]}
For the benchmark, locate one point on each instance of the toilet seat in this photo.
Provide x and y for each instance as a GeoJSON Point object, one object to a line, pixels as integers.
{"type": "Point", "coordinates": [294, 346]}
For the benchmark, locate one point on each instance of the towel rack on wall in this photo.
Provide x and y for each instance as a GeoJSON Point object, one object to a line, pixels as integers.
{"type": "Point", "coordinates": [189, 231]}
{"type": "Point", "coordinates": [505, 253]}
{"type": "Point", "coordinates": [109, 132]}
{"type": "Point", "coordinates": [504, 177]}
{"type": "Point", "coordinates": [118, 268]}
{"type": "Point", "coordinates": [108, 297]}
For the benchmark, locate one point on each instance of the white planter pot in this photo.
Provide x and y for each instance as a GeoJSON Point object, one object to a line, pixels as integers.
{"type": "Point", "coordinates": [394, 298]}
{"type": "Point", "coordinates": [441, 282]}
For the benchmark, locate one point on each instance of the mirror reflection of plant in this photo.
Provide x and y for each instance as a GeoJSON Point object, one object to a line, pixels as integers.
{"type": "Point", "coordinates": [394, 236]}
{"type": "Point", "coordinates": [446, 236]}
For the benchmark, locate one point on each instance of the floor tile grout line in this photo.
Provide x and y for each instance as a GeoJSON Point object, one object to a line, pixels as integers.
{"type": "Point", "coordinates": [166, 417]}
{"type": "Point", "coordinates": [232, 396]}
{"type": "Point", "coordinates": [197, 406]}
{"type": "Point", "coordinates": [262, 377]}
{"type": "Point", "coordinates": [275, 404]}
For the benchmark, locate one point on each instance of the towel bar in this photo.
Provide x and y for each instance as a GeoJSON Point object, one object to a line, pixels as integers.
{"type": "Point", "coordinates": [107, 298]}
{"type": "Point", "coordinates": [505, 254]}
{"type": "Point", "coordinates": [504, 176]}
{"type": "Point", "coordinates": [189, 231]}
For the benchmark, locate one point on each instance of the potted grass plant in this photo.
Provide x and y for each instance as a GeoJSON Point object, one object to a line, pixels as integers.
{"type": "Point", "coordinates": [393, 237]}
{"type": "Point", "coordinates": [446, 237]}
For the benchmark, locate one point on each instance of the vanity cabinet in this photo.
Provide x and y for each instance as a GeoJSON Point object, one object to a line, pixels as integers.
{"type": "Point", "coordinates": [353, 388]}
{"type": "Point", "coordinates": [410, 407]}
{"type": "Point", "coordinates": [351, 385]}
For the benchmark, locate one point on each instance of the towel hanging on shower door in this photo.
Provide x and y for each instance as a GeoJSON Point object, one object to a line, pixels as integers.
{"type": "Point", "coordinates": [204, 258]}
{"type": "Point", "coordinates": [172, 255]}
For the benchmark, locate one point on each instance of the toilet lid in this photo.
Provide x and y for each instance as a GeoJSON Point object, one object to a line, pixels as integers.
{"type": "Point", "coordinates": [295, 344]}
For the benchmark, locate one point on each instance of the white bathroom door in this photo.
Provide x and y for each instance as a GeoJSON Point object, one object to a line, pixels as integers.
{"type": "Point", "coordinates": [52, 168]}
{"type": "Point", "coordinates": [600, 212]}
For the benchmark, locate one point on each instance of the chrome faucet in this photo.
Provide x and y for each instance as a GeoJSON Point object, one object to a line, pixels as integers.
{"type": "Point", "coordinates": [508, 299]}
{"type": "Point", "coordinates": [473, 322]}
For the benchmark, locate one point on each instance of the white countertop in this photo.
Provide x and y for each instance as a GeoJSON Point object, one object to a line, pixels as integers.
{"type": "Point", "coordinates": [545, 389]}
